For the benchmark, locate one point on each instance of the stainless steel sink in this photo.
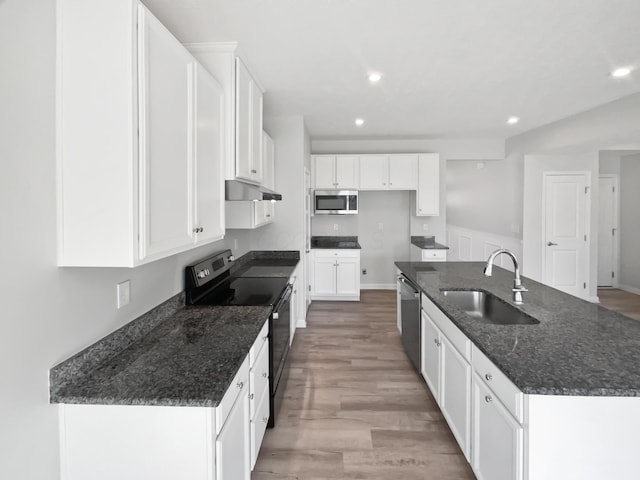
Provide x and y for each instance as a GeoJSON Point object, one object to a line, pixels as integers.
{"type": "Point", "coordinates": [487, 308]}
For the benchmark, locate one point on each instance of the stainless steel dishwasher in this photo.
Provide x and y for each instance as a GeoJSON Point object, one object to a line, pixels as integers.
{"type": "Point", "coordinates": [410, 319]}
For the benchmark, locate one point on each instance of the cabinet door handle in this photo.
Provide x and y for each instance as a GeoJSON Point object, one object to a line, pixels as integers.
{"type": "Point", "coordinates": [489, 377]}
{"type": "Point", "coordinates": [251, 396]}
{"type": "Point", "coordinates": [551, 244]}
{"type": "Point", "coordinates": [240, 385]}
{"type": "Point", "coordinates": [488, 398]}
{"type": "Point", "coordinates": [265, 419]}
{"type": "Point", "coordinates": [264, 374]}
{"type": "Point", "coordinates": [264, 339]}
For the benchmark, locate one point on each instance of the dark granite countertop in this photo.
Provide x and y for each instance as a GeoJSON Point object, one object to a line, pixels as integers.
{"type": "Point", "coordinates": [189, 359]}
{"type": "Point", "coordinates": [343, 242]}
{"type": "Point", "coordinates": [427, 243]}
{"type": "Point", "coordinates": [266, 263]}
{"type": "Point", "coordinates": [579, 348]}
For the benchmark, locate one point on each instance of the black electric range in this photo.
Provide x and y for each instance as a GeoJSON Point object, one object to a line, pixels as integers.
{"type": "Point", "coordinates": [210, 282]}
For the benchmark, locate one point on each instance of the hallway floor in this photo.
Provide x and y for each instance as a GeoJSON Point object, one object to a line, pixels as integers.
{"type": "Point", "coordinates": [620, 301]}
{"type": "Point", "coordinates": [355, 408]}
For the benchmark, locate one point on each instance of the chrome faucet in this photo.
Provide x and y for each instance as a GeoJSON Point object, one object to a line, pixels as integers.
{"type": "Point", "coordinates": [517, 284]}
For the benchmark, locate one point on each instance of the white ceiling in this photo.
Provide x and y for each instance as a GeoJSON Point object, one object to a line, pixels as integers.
{"type": "Point", "coordinates": [451, 68]}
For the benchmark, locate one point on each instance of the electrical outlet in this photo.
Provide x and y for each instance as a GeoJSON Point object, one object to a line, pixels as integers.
{"type": "Point", "coordinates": [364, 271]}
{"type": "Point", "coordinates": [335, 227]}
{"type": "Point", "coordinates": [123, 293]}
{"type": "Point", "coordinates": [425, 227]}
{"type": "Point", "coordinates": [235, 244]}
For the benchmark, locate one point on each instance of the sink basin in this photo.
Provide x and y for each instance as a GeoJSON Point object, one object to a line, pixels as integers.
{"type": "Point", "coordinates": [487, 308]}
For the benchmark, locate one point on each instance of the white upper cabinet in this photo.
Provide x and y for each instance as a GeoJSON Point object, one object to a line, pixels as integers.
{"type": "Point", "coordinates": [389, 172]}
{"type": "Point", "coordinates": [139, 134]}
{"type": "Point", "coordinates": [373, 172]}
{"type": "Point", "coordinates": [403, 172]}
{"type": "Point", "coordinates": [166, 177]}
{"type": "Point", "coordinates": [243, 109]}
{"type": "Point", "coordinates": [248, 125]}
{"type": "Point", "coordinates": [332, 172]}
{"type": "Point", "coordinates": [428, 193]}
{"type": "Point", "coordinates": [209, 169]}
{"type": "Point", "coordinates": [249, 215]}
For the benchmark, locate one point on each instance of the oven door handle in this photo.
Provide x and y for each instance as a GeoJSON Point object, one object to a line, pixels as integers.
{"type": "Point", "coordinates": [283, 299]}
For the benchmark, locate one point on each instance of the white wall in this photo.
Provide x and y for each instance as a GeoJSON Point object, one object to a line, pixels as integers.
{"type": "Point", "coordinates": [630, 222]}
{"type": "Point", "coordinates": [485, 196]}
{"type": "Point", "coordinates": [49, 313]}
{"type": "Point", "coordinates": [287, 231]}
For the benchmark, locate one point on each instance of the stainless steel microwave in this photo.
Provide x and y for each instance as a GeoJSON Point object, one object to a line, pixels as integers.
{"type": "Point", "coordinates": [335, 202]}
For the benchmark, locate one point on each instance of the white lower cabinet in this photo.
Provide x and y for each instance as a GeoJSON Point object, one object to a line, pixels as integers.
{"type": "Point", "coordinates": [497, 437]}
{"type": "Point", "coordinates": [295, 303]}
{"type": "Point", "coordinates": [336, 275]}
{"type": "Point", "coordinates": [133, 442]}
{"type": "Point", "coordinates": [428, 254]}
{"type": "Point", "coordinates": [258, 392]}
{"type": "Point", "coordinates": [448, 375]}
{"type": "Point", "coordinates": [483, 409]}
{"type": "Point", "coordinates": [232, 443]}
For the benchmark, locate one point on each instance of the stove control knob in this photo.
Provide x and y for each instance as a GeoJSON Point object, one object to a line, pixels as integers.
{"type": "Point", "coordinates": [201, 274]}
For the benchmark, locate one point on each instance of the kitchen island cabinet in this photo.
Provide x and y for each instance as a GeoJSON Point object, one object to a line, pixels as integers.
{"type": "Point", "coordinates": [558, 399]}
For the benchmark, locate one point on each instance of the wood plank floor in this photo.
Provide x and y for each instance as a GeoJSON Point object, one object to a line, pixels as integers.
{"type": "Point", "coordinates": [354, 406]}
{"type": "Point", "coordinates": [620, 301]}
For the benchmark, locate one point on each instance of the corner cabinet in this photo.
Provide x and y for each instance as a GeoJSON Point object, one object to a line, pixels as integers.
{"type": "Point", "coordinates": [336, 275]}
{"type": "Point", "coordinates": [243, 109]}
{"type": "Point", "coordinates": [248, 125]}
{"type": "Point", "coordinates": [142, 179]}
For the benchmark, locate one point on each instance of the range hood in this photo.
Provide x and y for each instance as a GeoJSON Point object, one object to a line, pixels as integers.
{"type": "Point", "coordinates": [237, 191]}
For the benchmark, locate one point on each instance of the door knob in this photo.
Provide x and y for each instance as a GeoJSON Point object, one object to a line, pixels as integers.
{"type": "Point", "coordinates": [551, 244]}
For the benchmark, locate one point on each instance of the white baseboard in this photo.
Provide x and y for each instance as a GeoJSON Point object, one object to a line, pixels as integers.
{"type": "Point", "coordinates": [629, 289]}
{"type": "Point", "coordinates": [595, 299]}
{"type": "Point", "coordinates": [377, 286]}
{"type": "Point", "coordinates": [301, 323]}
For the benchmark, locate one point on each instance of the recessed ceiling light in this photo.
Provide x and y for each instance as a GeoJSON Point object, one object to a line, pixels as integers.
{"type": "Point", "coordinates": [513, 120]}
{"type": "Point", "coordinates": [359, 122]}
{"type": "Point", "coordinates": [375, 77]}
{"type": "Point", "coordinates": [621, 72]}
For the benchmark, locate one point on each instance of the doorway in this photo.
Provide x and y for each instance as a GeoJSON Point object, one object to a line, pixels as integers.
{"type": "Point", "coordinates": [565, 231]}
{"type": "Point", "coordinates": [608, 231]}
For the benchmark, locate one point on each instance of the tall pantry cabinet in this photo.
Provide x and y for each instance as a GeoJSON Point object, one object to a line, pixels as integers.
{"type": "Point", "coordinates": [139, 139]}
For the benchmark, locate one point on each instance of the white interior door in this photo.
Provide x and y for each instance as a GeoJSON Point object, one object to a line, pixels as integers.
{"type": "Point", "coordinates": [565, 241]}
{"type": "Point", "coordinates": [607, 222]}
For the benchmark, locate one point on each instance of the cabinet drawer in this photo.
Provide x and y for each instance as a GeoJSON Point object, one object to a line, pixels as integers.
{"type": "Point", "coordinates": [458, 339]}
{"type": "Point", "coordinates": [258, 380]}
{"type": "Point", "coordinates": [261, 341]}
{"type": "Point", "coordinates": [510, 396]}
{"type": "Point", "coordinates": [337, 253]}
{"type": "Point", "coordinates": [238, 385]}
{"type": "Point", "coordinates": [429, 255]}
{"type": "Point", "coordinates": [259, 426]}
